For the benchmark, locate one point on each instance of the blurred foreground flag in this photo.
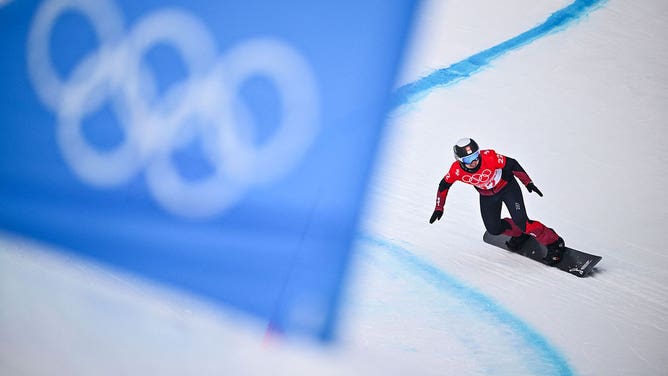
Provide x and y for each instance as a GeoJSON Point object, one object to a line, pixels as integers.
{"type": "Point", "coordinates": [221, 148]}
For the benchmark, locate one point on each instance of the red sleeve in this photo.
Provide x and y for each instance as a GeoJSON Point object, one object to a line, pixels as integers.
{"type": "Point", "coordinates": [444, 186]}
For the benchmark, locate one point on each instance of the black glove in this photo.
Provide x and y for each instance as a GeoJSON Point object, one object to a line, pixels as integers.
{"type": "Point", "coordinates": [436, 216]}
{"type": "Point", "coordinates": [531, 188]}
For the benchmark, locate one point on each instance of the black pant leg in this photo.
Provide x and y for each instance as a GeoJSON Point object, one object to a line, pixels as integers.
{"type": "Point", "coordinates": [490, 210]}
{"type": "Point", "coordinates": [512, 197]}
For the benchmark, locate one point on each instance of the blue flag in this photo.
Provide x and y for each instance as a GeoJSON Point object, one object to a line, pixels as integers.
{"type": "Point", "coordinates": [219, 148]}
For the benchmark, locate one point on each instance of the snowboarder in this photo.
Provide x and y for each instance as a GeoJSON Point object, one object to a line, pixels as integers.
{"type": "Point", "coordinates": [493, 176]}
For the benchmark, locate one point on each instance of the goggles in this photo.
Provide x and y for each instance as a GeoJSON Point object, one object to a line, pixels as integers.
{"type": "Point", "coordinates": [470, 158]}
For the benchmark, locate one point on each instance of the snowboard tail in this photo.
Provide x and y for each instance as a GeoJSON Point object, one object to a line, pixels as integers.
{"type": "Point", "coordinates": [573, 261]}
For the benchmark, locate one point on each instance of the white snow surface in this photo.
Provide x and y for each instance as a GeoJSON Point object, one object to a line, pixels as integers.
{"type": "Point", "coordinates": [583, 110]}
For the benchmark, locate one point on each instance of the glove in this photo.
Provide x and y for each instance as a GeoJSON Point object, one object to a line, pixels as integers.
{"type": "Point", "coordinates": [531, 188]}
{"type": "Point", "coordinates": [436, 216]}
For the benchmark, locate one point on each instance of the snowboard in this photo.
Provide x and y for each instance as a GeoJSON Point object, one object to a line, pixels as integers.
{"type": "Point", "coordinates": [573, 261]}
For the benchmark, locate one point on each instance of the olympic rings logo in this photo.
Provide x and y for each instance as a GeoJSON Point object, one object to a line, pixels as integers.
{"type": "Point", "coordinates": [479, 180]}
{"type": "Point", "coordinates": [154, 127]}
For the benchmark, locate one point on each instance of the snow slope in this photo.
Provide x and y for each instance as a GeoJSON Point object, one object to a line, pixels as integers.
{"type": "Point", "coordinates": [582, 108]}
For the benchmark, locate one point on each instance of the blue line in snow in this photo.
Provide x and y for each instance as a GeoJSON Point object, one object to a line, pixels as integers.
{"type": "Point", "coordinates": [415, 91]}
{"type": "Point", "coordinates": [549, 360]}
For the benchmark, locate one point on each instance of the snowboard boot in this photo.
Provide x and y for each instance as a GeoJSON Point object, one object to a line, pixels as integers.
{"type": "Point", "coordinates": [515, 243]}
{"type": "Point", "coordinates": [554, 252]}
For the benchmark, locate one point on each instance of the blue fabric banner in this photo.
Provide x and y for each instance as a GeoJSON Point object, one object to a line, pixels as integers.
{"type": "Point", "coordinates": [220, 148]}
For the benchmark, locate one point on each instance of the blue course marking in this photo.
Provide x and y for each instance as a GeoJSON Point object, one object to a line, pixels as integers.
{"type": "Point", "coordinates": [414, 91]}
{"type": "Point", "coordinates": [542, 357]}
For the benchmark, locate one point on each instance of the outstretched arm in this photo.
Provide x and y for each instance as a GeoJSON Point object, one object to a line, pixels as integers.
{"type": "Point", "coordinates": [443, 188]}
{"type": "Point", "coordinates": [516, 169]}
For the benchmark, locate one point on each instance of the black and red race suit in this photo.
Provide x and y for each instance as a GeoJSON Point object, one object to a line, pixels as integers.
{"type": "Point", "coordinates": [494, 179]}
